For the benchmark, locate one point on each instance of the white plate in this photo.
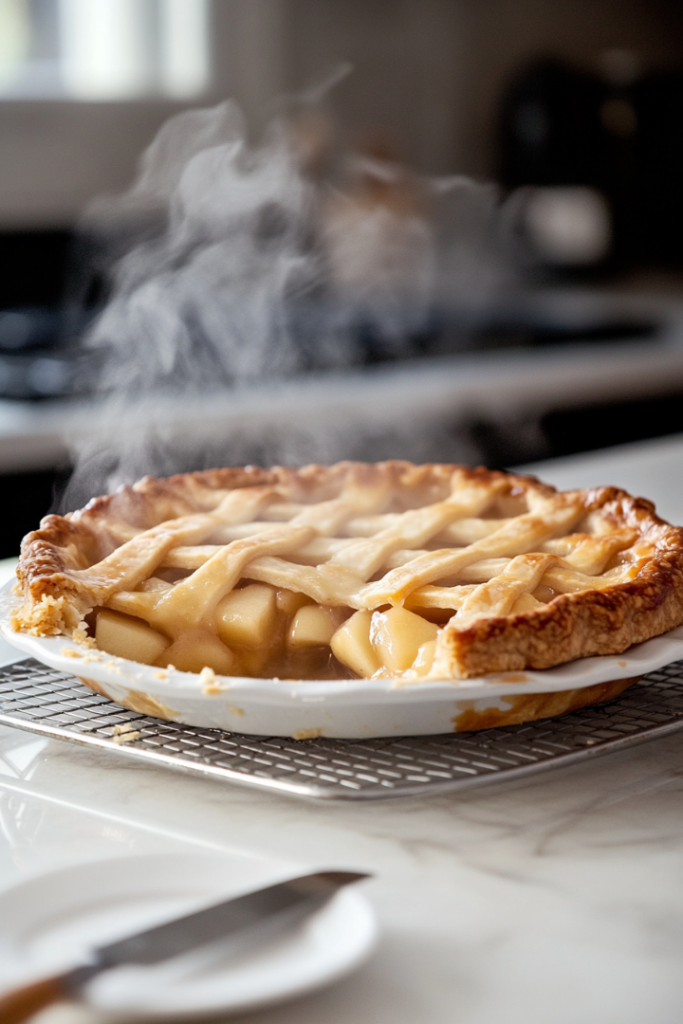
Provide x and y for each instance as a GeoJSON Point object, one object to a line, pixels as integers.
{"type": "Point", "coordinates": [49, 923]}
{"type": "Point", "coordinates": [349, 708]}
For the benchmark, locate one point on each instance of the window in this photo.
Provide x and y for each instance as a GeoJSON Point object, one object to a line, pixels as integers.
{"type": "Point", "coordinates": [103, 50]}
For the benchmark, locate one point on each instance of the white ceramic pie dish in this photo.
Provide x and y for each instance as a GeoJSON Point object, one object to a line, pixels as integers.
{"type": "Point", "coordinates": [350, 708]}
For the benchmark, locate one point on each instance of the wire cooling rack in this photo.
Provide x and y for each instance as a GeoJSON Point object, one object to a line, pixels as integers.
{"type": "Point", "coordinates": [42, 700]}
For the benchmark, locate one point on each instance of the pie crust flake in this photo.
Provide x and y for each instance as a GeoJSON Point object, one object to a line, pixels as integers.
{"type": "Point", "coordinates": [372, 570]}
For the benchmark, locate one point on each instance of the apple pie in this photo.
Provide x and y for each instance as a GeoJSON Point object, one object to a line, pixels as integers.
{"type": "Point", "coordinates": [387, 570]}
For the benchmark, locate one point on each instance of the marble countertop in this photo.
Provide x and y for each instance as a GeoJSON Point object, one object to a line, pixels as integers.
{"type": "Point", "coordinates": [557, 899]}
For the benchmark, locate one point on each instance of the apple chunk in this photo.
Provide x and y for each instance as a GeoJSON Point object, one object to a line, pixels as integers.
{"type": "Point", "coordinates": [313, 626]}
{"type": "Point", "coordinates": [425, 659]}
{"type": "Point", "coordinates": [247, 617]}
{"type": "Point", "coordinates": [128, 637]}
{"type": "Point", "coordinates": [197, 649]}
{"type": "Point", "coordinates": [289, 602]}
{"type": "Point", "coordinates": [351, 645]}
{"type": "Point", "coordinates": [398, 635]}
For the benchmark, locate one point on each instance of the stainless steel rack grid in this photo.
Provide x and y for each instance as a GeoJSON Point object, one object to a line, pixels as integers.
{"type": "Point", "coordinates": [42, 700]}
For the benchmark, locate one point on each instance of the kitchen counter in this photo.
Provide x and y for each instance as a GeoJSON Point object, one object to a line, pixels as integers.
{"type": "Point", "coordinates": [435, 396]}
{"type": "Point", "coordinates": [557, 899]}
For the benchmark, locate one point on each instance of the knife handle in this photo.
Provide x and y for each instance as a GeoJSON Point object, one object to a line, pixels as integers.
{"type": "Point", "coordinates": [21, 1003]}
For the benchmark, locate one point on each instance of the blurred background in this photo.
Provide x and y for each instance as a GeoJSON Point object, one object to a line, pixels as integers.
{"type": "Point", "coordinates": [438, 229]}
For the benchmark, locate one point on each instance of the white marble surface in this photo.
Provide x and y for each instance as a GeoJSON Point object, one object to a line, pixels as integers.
{"type": "Point", "coordinates": [550, 901]}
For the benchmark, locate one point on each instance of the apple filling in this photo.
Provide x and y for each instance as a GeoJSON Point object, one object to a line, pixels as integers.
{"type": "Point", "coordinates": [258, 630]}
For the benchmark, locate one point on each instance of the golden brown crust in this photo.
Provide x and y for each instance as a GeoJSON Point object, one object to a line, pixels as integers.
{"type": "Point", "coordinates": [135, 700]}
{"type": "Point", "coordinates": [529, 707]}
{"type": "Point", "coordinates": [608, 620]}
{"type": "Point", "coordinates": [594, 622]}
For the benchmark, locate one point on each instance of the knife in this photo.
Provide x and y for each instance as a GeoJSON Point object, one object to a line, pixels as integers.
{"type": "Point", "coordinates": [262, 912]}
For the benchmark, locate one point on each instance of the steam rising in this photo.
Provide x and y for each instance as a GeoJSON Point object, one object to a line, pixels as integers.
{"type": "Point", "coordinates": [204, 304]}
{"type": "Point", "coordinates": [260, 263]}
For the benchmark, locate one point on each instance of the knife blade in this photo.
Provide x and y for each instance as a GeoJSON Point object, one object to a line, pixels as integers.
{"type": "Point", "coordinates": [267, 909]}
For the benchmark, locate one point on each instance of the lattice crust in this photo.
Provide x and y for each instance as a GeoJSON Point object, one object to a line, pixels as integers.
{"type": "Point", "coordinates": [479, 571]}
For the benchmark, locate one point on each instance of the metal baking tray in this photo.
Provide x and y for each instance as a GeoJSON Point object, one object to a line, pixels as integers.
{"type": "Point", "coordinates": [51, 703]}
